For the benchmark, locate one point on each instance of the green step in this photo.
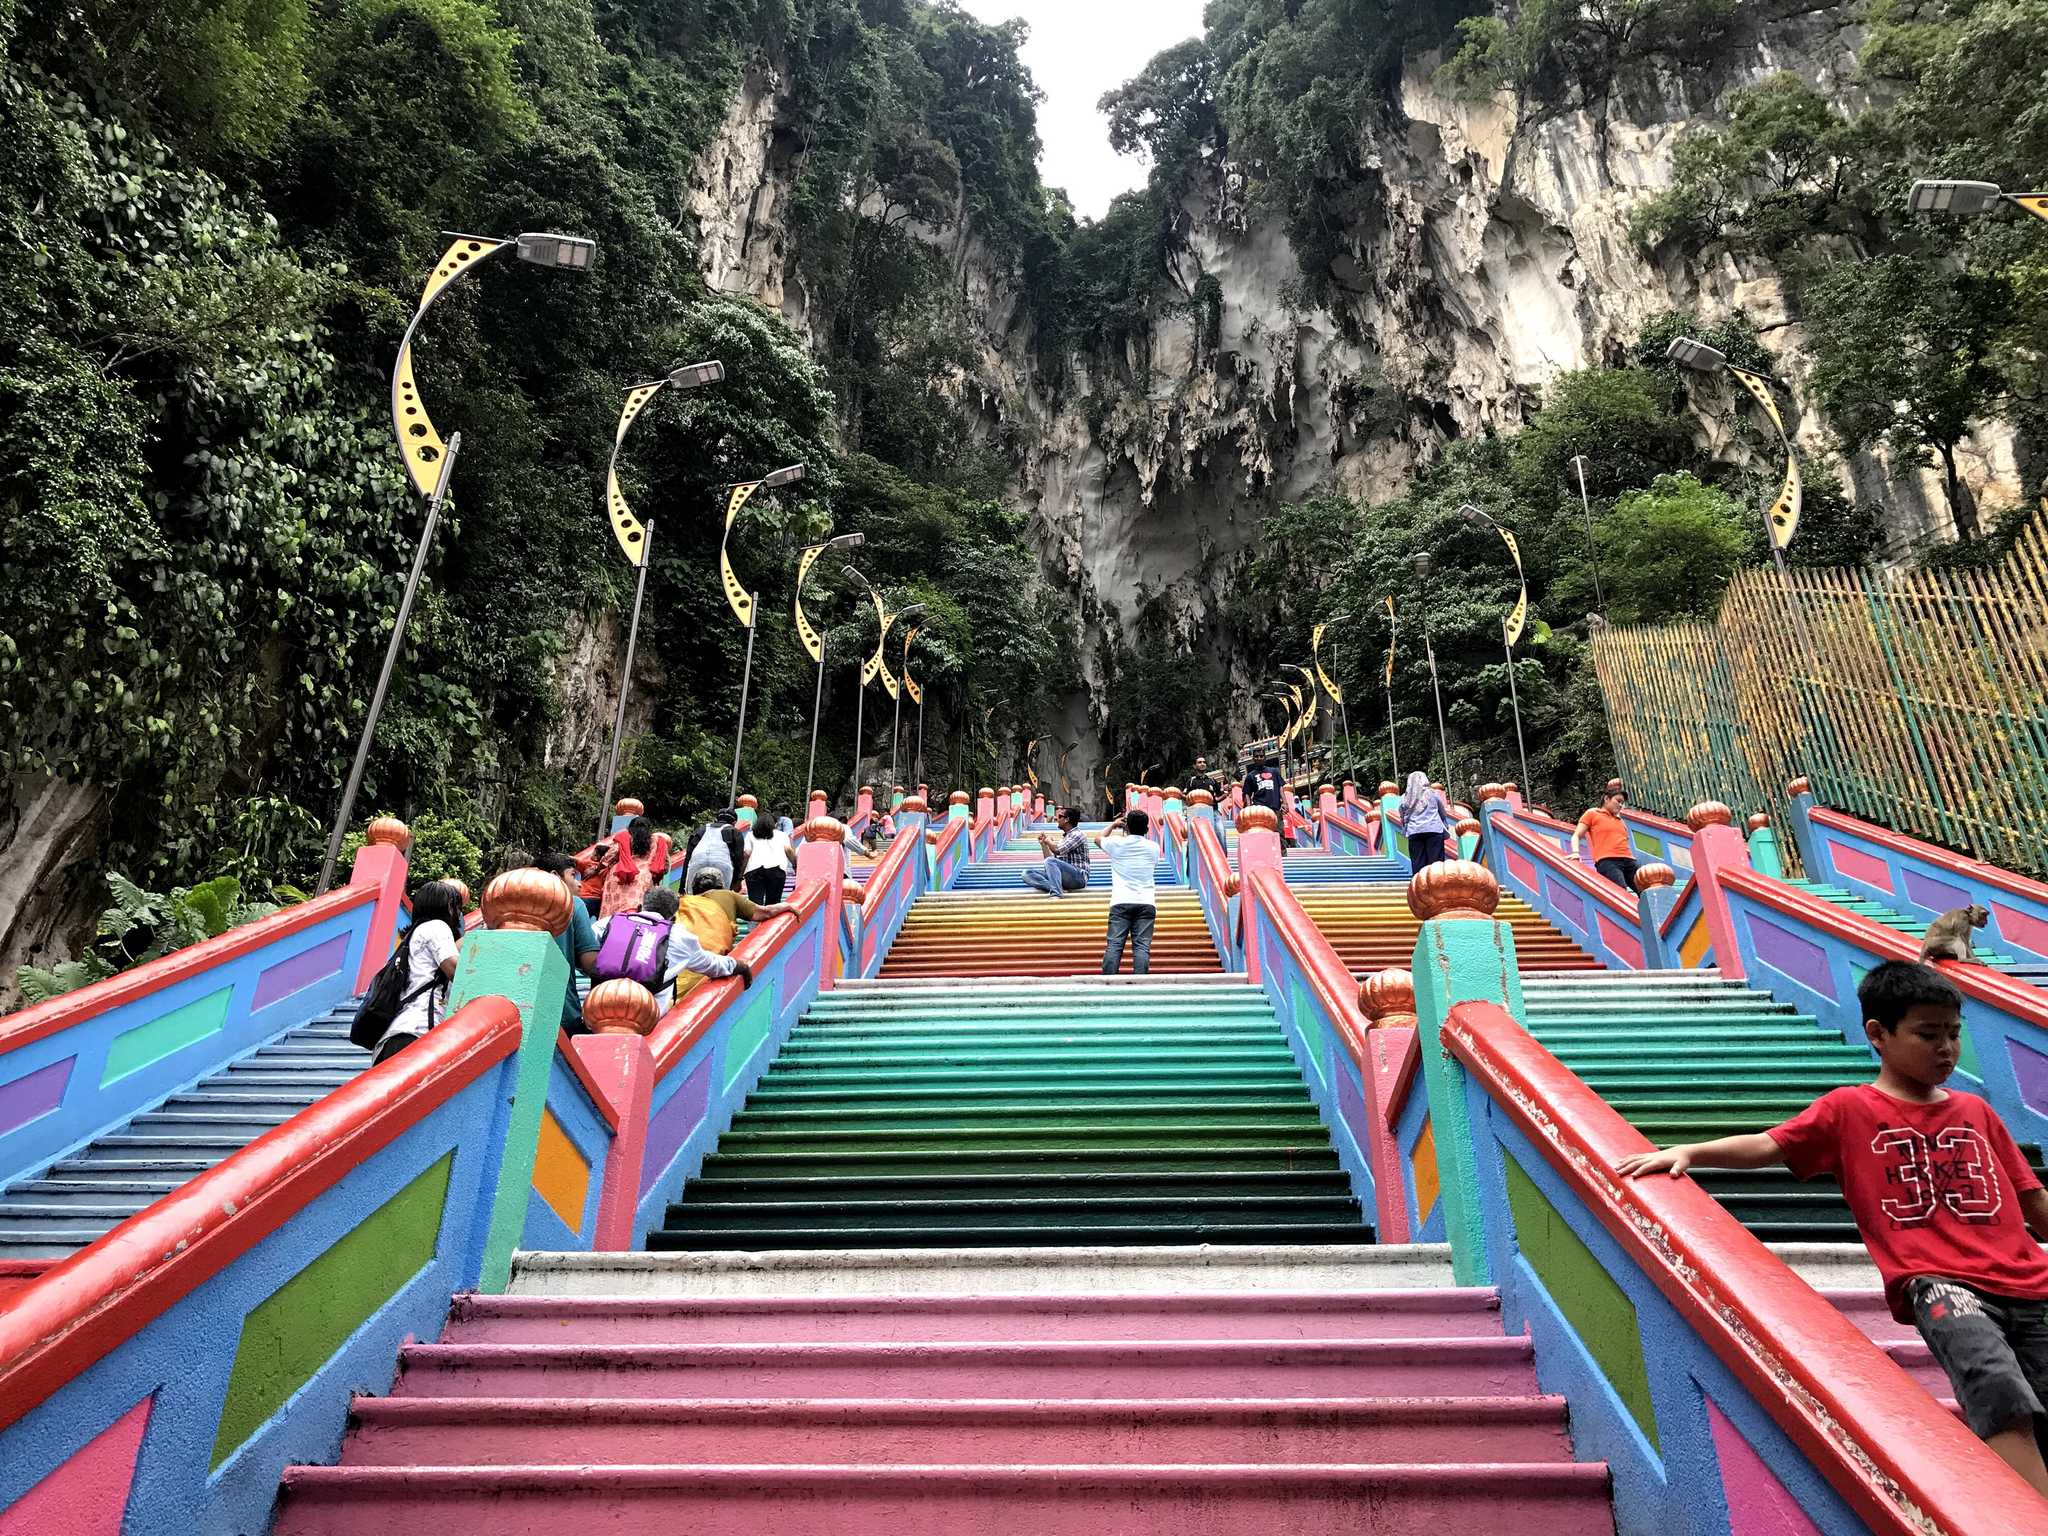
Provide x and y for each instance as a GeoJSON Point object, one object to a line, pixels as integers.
{"type": "Point", "coordinates": [682, 1237]}
{"type": "Point", "coordinates": [1164, 1135]}
{"type": "Point", "coordinates": [1072, 1211]}
{"type": "Point", "coordinates": [1276, 1114]}
{"type": "Point", "coordinates": [1130, 1160]}
{"type": "Point", "coordinates": [1025, 1182]}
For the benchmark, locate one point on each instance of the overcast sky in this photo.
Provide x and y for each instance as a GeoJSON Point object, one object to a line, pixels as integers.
{"type": "Point", "coordinates": [1077, 50]}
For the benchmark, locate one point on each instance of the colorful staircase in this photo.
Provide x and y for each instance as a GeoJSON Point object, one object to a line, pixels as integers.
{"type": "Point", "coordinates": [2029, 971]}
{"type": "Point", "coordinates": [1370, 926]}
{"type": "Point", "coordinates": [1022, 932]}
{"type": "Point", "coordinates": [1069, 1392]}
{"type": "Point", "coordinates": [1032, 1112]}
{"type": "Point", "coordinates": [60, 1209]}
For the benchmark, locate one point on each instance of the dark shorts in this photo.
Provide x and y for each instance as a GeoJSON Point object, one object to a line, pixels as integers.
{"type": "Point", "coordinates": [1994, 1348]}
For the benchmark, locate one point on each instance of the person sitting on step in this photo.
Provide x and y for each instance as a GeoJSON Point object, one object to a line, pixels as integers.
{"type": "Point", "coordinates": [1066, 865]}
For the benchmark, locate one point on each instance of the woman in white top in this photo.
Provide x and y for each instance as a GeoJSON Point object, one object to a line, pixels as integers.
{"type": "Point", "coordinates": [431, 944]}
{"type": "Point", "coordinates": [768, 867]}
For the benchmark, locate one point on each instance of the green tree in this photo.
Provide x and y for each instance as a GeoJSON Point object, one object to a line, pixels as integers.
{"type": "Point", "coordinates": [1904, 357]}
{"type": "Point", "coordinates": [1670, 550]}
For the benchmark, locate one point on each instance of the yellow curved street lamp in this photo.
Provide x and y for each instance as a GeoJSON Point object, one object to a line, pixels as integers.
{"type": "Point", "coordinates": [636, 541]}
{"type": "Point", "coordinates": [1510, 629]}
{"type": "Point", "coordinates": [1783, 518]}
{"type": "Point", "coordinates": [813, 641]}
{"type": "Point", "coordinates": [870, 668]}
{"type": "Point", "coordinates": [1968, 197]}
{"type": "Point", "coordinates": [743, 602]}
{"type": "Point", "coordinates": [429, 462]}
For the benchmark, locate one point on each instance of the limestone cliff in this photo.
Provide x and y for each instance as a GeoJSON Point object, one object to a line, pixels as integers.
{"type": "Point", "coordinates": [1497, 257]}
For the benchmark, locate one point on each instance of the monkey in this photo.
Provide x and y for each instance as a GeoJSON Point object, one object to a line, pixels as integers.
{"type": "Point", "coordinates": [1948, 936]}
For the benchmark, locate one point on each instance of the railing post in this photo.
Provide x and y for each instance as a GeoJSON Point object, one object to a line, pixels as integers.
{"type": "Point", "coordinates": [1813, 849]}
{"type": "Point", "coordinates": [864, 808]}
{"type": "Point", "coordinates": [1326, 806]}
{"type": "Point", "coordinates": [622, 1067]}
{"type": "Point", "coordinates": [1716, 846]}
{"type": "Point", "coordinates": [381, 862]}
{"type": "Point", "coordinates": [1763, 848]}
{"type": "Point", "coordinates": [1461, 956]}
{"type": "Point", "coordinates": [1656, 895]}
{"type": "Point", "coordinates": [517, 958]}
{"type": "Point", "coordinates": [1258, 847]}
{"type": "Point", "coordinates": [822, 860]}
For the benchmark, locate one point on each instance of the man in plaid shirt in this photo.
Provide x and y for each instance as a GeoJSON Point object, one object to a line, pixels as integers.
{"type": "Point", "coordinates": [1066, 867]}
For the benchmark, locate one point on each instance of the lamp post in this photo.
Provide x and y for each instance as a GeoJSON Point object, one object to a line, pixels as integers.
{"type": "Point", "coordinates": [636, 538]}
{"type": "Point", "coordinates": [744, 603]}
{"type": "Point", "coordinates": [1971, 197]}
{"type": "Point", "coordinates": [1315, 646]}
{"type": "Point", "coordinates": [1393, 637]}
{"type": "Point", "coordinates": [1783, 518]}
{"type": "Point", "coordinates": [430, 463]}
{"type": "Point", "coordinates": [1592, 543]}
{"type": "Point", "coordinates": [1510, 631]}
{"type": "Point", "coordinates": [1420, 562]}
{"type": "Point", "coordinates": [813, 641]}
{"type": "Point", "coordinates": [872, 666]}
{"type": "Point", "coordinates": [896, 726]}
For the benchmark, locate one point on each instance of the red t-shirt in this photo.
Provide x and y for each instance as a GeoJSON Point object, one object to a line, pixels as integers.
{"type": "Point", "coordinates": [1934, 1188]}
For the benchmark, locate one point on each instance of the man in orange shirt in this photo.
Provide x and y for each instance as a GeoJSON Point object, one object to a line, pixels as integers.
{"type": "Point", "coordinates": [1609, 835]}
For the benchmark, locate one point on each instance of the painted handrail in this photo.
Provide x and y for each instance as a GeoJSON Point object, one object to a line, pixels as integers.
{"type": "Point", "coordinates": [950, 853]}
{"type": "Point", "coordinates": [80, 1065]}
{"type": "Point", "coordinates": [699, 1011]}
{"type": "Point", "coordinates": [1612, 929]}
{"type": "Point", "coordinates": [1212, 884]}
{"type": "Point", "coordinates": [1920, 879]}
{"type": "Point", "coordinates": [1886, 1447]}
{"type": "Point", "coordinates": [1340, 824]}
{"type": "Point", "coordinates": [1346, 1063]}
{"type": "Point", "coordinates": [895, 884]}
{"type": "Point", "coordinates": [107, 1292]}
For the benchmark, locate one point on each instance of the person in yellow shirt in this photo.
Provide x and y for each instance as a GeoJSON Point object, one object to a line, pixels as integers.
{"type": "Point", "coordinates": [1603, 827]}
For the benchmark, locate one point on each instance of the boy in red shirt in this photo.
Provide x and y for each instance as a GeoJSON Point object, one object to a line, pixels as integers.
{"type": "Point", "coordinates": [1943, 1198]}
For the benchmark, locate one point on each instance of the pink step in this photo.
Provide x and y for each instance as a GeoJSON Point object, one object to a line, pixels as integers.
{"type": "Point", "coordinates": [1392, 1314]}
{"type": "Point", "coordinates": [392, 1432]}
{"type": "Point", "coordinates": [949, 1500]}
{"type": "Point", "coordinates": [1182, 1368]}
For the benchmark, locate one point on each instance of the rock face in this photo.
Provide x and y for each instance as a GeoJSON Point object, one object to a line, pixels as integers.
{"type": "Point", "coordinates": [1496, 258]}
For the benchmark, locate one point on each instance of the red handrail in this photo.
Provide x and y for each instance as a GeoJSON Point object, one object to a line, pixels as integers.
{"type": "Point", "coordinates": [1209, 849]}
{"type": "Point", "coordinates": [1913, 847]}
{"type": "Point", "coordinates": [885, 872]}
{"type": "Point", "coordinates": [1357, 829]}
{"type": "Point", "coordinates": [1596, 886]}
{"type": "Point", "coordinates": [1886, 1446]}
{"type": "Point", "coordinates": [1327, 973]}
{"type": "Point", "coordinates": [684, 1024]}
{"type": "Point", "coordinates": [107, 1291]}
{"type": "Point", "coordinates": [61, 1013]}
{"type": "Point", "coordinates": [1978, 981]}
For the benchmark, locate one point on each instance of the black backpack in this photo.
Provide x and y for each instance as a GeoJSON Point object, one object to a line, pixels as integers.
{"type": "Point", "coordinates": [387, 998]}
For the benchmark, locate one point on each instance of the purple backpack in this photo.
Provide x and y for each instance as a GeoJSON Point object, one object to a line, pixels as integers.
{"type": "Point", "coordinates": [634, 949]}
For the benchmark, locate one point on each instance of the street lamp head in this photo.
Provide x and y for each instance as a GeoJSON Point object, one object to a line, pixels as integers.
{"type": "Point", "coordinates": [1420, 561]}
{"type": "Point", "coordinates": [1472, 514]}
{"type": "Point", "coordinates": [570, 253]}
{"type": "Point", "coordinates": [1960, 197]}
{"type": "Point", "coordinates": [789, 474]}
{"type": "Point", "coordinates": [691, 375]}
{"type": "Point", "coordinates": [1688, 352]}
{"type": "Point", "coordinates": [1340, 618]}
{"type": "Point", "coordinates": [915, 610]}
{"type": "Point", "coordinates": [847, 541]}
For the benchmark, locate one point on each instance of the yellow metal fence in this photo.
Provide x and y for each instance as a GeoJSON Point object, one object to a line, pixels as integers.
{"type": "Point", "coordinates": [1917, 700]}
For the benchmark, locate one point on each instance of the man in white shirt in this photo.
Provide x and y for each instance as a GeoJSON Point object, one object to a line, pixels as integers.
{"type": "Point", "coordinates": [1133, 864]}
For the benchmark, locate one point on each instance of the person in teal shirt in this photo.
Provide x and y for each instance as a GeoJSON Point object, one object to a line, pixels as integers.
{"type": "Point", "coordinates": [578, 941]}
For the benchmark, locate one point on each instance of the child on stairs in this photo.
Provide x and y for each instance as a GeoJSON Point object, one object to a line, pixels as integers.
{"type": "Point", "coordinates": [1943, 1198]}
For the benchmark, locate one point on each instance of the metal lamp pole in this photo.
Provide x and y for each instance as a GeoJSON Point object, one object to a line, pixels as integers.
{"type": "Point", "coordinates": [429, 463]}
{"type": "Point", "coordinates": [1592, 543]}
{"type": "Point", "coordinates": [636, 538]}
{"type": "Point", "coordinates": [813, 641]}
{"type": "Point", "coordinates": [896, 725]}
{"type": "Point", "coordinates": [1443, 737]}
{"type": "Point", "coordinates": [1510, 631]}
{"type": "Point", "coordinates": [1393, 637]}
{"type": "Point", "coordinates": [867, 667]}
{"type": "Point", "coordinates": [745, 604]}
{"type": "Point", "coordinates": [1336, 693]}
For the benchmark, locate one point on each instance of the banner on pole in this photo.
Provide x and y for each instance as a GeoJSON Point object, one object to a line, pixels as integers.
{"type": "Point", "coordinates": [742, 601]}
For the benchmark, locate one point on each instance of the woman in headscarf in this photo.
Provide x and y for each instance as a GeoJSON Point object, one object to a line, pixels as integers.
{"type": "Point", "coordinates": [1425, 818]}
